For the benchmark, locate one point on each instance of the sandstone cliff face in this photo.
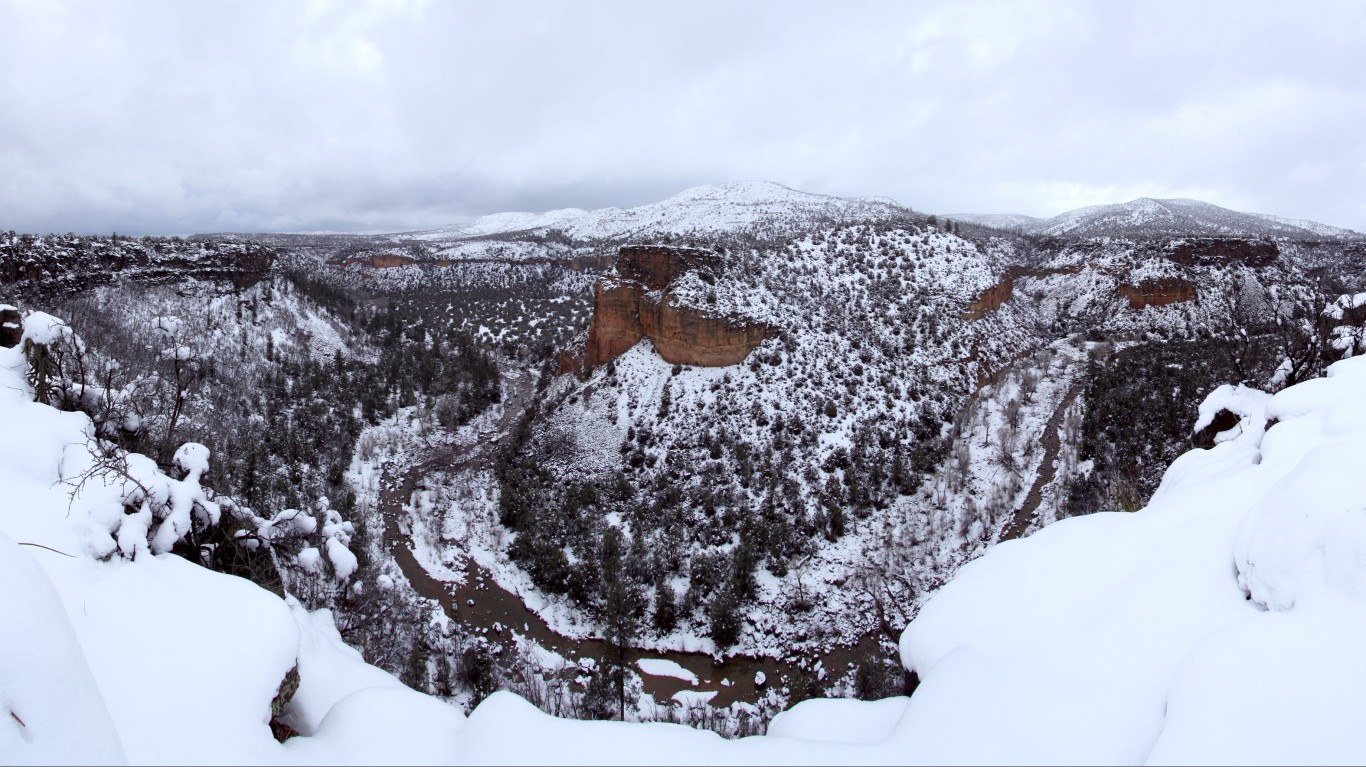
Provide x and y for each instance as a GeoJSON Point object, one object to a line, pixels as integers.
{"type": "Point", "coordinates": [1214, 251]}
{"type": "Point", "coordinates": [1155, 292]}
{"type": "Point", "coordinates": [1160, 292]}
{"type": "Point", "coordinates": [991, 298]}
{"type": "Point", "coordinates": [615, 326]}
{"type": "Point", "coordinates": [636, 304]}
{"type": "Point", "coordinates": [656, 266]}
{"type": "Point", "coordinates": [379, 261]}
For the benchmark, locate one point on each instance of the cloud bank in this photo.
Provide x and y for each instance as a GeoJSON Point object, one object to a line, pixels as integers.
{"type": "Point", "coordinates": [255, 115]}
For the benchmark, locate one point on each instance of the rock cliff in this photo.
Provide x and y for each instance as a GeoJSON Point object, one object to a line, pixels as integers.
{"type": "Point", "coordinates": [1220, 251]}
{"type": "Point", "coordinates": [379, 260]}
{"type": "Point", "coordinates": [34, 267]}
{"type": "Point", "coordinates": [1159, 292]}
{"type": "Point", "coordinates": [637, 302]}
{"type": "Point", "coordinates": [992, 298]}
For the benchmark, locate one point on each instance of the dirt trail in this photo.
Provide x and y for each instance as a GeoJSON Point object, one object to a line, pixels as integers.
{"type": "Point", "coordinates": [1048, 469]}
{"type": "Point", "coordinates": [481, 605]}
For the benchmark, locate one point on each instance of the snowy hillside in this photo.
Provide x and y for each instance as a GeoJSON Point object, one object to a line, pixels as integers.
{"type": "Point", "coordinates": [709, 209]}
{"type": "Point", "coordinates": [1146, 217]}
{"type": "Point", "coordinates": [780, 469]}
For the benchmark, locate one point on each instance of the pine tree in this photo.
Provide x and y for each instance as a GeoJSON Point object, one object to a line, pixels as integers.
{"type": "Point", "coordinates": [666, 607]}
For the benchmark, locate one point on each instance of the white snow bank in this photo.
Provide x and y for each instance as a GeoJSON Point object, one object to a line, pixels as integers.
{"type": "Point", "coordinates": [666, 667]}
{"type": "Point", "coordinates": [383, 725]}
{"type": "Point", "coordinates": [840, 720]}
{"type": "Point", "coordinates": [51, 710]}
{"type": "Point", "coordinates": [1115, 636]}
{"type": "Point", "coordinates": [329, 671]}
{"type": "Point", "coordinates": [188, 659]}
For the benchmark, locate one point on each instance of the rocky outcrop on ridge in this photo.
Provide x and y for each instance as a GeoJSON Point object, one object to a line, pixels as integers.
{"type": "Point", "coordinates": [636, 302]}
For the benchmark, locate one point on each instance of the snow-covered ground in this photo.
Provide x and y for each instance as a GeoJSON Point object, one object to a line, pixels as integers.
{"type": "Point", "coordinates": [1220, 624]}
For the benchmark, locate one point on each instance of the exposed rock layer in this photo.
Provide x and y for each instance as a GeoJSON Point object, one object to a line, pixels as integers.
{"type": "Point", "coordinates": [32, 267]}
{"type": "Point", "coordinates": [991, 299]}
{"type": "Point", "coordinates": [1159, 292]}
{"type": "Point", "coordinates": [636, 304]}
{"type": "Point", "coordinates": [1216, 251]}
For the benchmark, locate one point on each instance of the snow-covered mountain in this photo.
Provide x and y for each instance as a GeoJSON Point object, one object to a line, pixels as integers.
{"type": "Point", "coordinates": [710, 208]}
{"type": "Point", "coordinates": [1145, 217]}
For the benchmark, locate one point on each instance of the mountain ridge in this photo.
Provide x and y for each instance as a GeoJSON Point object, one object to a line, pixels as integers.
{"type": "Point", "coordinates": [1147, 216]}
{"type": "Point", "coordinates": [709, 208]}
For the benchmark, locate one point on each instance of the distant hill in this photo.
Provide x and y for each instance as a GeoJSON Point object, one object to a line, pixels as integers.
{"type": "Point", "coordinates": [708, 209]}
{"type": "Point", "coordinates": [1146, 217]}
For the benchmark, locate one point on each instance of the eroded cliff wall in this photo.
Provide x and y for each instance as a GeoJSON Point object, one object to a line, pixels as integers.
{"type": "Point", "coordinates": [637, 303]}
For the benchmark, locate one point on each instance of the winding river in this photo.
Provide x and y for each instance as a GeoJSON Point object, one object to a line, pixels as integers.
{"type": "Point", "coordinates": [480, 605]}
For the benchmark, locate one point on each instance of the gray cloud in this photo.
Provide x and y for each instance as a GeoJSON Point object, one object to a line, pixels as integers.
{"type": "Point", "coordinates": [178, 117]}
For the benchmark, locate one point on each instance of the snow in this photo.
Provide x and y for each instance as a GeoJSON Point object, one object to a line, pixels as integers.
{"type": "Point", "coordinates": [694, 697]}
{"type": "Point", "coordinates": [1116, 637]}
{"type": "Point", "coordinates": [383, 725]}
{"type": "Point", "coordinates": [1247, 403]}
{"type": "Point", "coordinates": [1170, 216]}
{"type": "Point", "coordinates": [193, 459]}
{"type": "Point", "coordinates": [499, 223]}
{"type": "Point", "coordinates": [666, 667]}
{"type": "Point", "coordinates": [708, 208]}
{"type": "Point", "coordinates": [309, 558]}
{"type": "Point", "coordinates": [329, 672]}
{"type": "Point", "coordinates": [995, 220]}
{"type": "Point", "coordinates": [51, 710]}
{"type": "Point", "coordinates": [1219, 624]}
{"type": "Point", "coordinates": [344, 563]}
{"type": "Point", "coordinates": [840, 720]}
{"type": "Point", "coordinates": [43, 328]}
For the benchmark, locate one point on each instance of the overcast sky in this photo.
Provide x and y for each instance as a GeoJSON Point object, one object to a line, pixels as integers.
{"type": "Point", "coordinates": [177, 116]}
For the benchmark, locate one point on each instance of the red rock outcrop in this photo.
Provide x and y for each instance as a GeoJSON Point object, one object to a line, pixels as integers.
{"type": "Point", "coordinates": [635, 304]}
{"type": "Point", "coordinates": [991, 298]}
{"type": "Point", "coordinates": [380, 261]}
{"type": "Point", "coordinates": [615, 326]}
{"type": "Point", "coordinates": [1219, 251]}
{"type": "Point", "coordinates": [1159, 292]}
